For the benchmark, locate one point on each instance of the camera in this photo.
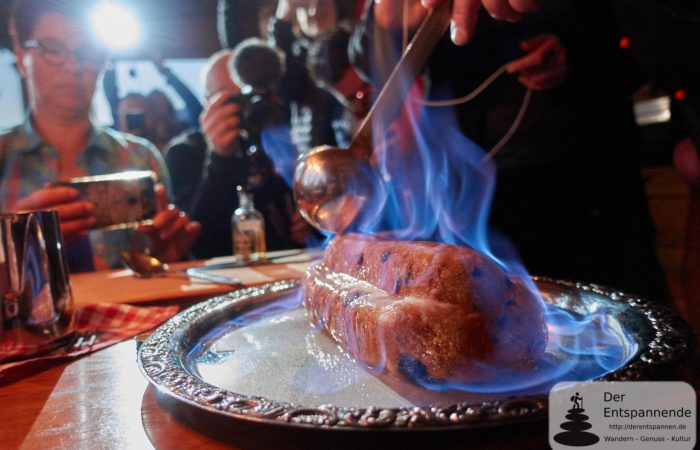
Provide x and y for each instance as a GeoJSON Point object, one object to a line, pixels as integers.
{"type": "Point", "coordinates": [256, 67]}
{"type": "Point", "coordinates": [135, 121]}
{"type": "Point", "coordinates": [257, 111]}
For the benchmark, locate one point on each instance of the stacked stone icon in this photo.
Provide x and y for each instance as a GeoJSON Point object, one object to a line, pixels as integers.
{"type": "Point", "coordinates": [576, 426]}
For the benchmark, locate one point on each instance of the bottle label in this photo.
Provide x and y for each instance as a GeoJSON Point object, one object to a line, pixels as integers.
{"type": "Point", "coordinates": [247, 239]}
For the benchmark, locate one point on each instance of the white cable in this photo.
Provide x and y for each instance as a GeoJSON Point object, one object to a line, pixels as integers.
{"type": "Point", "coordinates": [466, 98]}
{"type": "Point", "coordinates": [470, 96]}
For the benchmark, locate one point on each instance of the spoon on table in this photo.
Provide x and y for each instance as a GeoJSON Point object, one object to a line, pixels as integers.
{"type": "Point", "coordinates": [332, 185]}
{"type": "Point", "coordinates": [147, 266]}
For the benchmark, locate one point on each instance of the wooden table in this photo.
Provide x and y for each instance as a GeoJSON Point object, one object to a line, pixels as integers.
{"type": "Point", "coordinates": [102, 401]}
{"type": "Point", "coordinates": [120, 286]}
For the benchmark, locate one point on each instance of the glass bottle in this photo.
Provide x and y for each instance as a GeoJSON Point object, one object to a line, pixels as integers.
{"type": "Point", "coordinates": [248, 229]}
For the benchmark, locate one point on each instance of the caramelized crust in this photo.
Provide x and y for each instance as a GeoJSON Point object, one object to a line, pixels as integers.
{"type": "Point", "coordinates": [397, 334]}
{"type": "Point", "coordinates": [444, 306]}
{"type": "Point", "coordinates": [446, 273]}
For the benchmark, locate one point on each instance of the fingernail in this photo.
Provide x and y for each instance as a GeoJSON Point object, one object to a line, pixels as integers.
{"type": "Point", "coordinates": [425, 3]}
{"type": "Point", "coordinates": [458, 36]}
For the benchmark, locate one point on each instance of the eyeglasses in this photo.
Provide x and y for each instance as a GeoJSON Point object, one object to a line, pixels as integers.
{"type": "Point", "coordinates": [57, 53]}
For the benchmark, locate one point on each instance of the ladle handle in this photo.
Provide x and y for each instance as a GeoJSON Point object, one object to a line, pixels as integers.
{"type": "Point", "coordinates": [391, 97]}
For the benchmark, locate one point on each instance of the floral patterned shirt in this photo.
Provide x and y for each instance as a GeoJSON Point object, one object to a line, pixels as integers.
{"type": "Point", "coordinates": [27, 164]}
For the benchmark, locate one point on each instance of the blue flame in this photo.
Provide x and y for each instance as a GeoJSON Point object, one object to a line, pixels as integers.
{"type": "Point", "coordinates": [580, 347]}
{"type": "Point", "coordinates": [277, 142]}
{"type": "Point", "coordinates": [439, 187]}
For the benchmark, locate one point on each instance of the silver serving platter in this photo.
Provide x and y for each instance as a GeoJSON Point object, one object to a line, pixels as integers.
{"type": "Point", "coordinates": [299, 377]}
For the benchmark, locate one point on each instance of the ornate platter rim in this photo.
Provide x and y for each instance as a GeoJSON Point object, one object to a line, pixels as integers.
{"type": "Point", "coordinates": [664, 341]}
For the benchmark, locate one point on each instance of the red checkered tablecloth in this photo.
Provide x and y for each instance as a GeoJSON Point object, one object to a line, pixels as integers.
{"type": "Point", "coordinates": [108, 323]}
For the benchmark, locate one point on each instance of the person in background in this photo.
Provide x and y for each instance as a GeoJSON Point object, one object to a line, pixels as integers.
{"type": "Point", "coordinates": [151, 117]}
{"type": "Point", "coordinates": [242, 19]}
{"type": "Point", "coordinates": [464, 14]}
{"type": "Point", "coordinates": [329, 66]}
{"type": "Point", "coordinates": [313, 110]}
{"type": "Point", "coordinates": [234, 22]}
{"type": "Point", "coordinates": [569, 192]}
{"type": "Point", "coordinates": [162, 123]}
{"type": "Point", "coordinates": [60, 63]}
{"type": "Point", "coordinates": [132, 111]}
{"type": "Point", "coordinates": [188, 153]}
{"type": "Point", "coordinates": [163, 114]}
{"type": "Point", "coordinates": [207, 165]}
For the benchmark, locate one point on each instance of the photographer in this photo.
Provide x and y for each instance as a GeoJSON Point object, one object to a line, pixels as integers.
{"type": "Point", "coordinates": [60, 66]}
{"type": "Point", "coordinates": [257, 67]}
{"type": "Point", "coordinates": [193, 107]}
{"type": "Point", "coordinates": [330, 68]}
{"type": "Point", "coordinates": [313, 111]}
{"type": "Point", "coordinates": [207, 165]}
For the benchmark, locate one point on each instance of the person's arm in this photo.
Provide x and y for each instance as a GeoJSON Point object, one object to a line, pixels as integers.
{"type": "Point", "coordinates": [214, 198]}
{"type": "Point", "coordinates": [185, 159]}
{"type": "Point", "coordinates": [214, 202]}
{"type": "Point", "coordinates": [544, 65]}
{"type": "Point", "coordinates": [686, 159]}
{"type": "Point", "coordinates": [223, 169]}
{"type": "Point", "coordinates": [171, 234]}
{"type": "Point", "coordinates": [192, 104]}
{"type": "Point", "coordinates": [463, 13]}
{"type": "Point", "coordinates": [109, 85]}
{"type": "Point", "coordinates": [76, 216]}
{"type": "Point", "coordinates": [295, 79]}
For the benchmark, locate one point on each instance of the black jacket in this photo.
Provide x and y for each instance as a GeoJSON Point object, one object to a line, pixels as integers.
{"type": "Point", "coordinates": [204, 186]}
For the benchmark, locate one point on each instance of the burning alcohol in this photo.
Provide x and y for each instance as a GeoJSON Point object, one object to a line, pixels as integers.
{"type": "Point", "coordinates": [437, 186]}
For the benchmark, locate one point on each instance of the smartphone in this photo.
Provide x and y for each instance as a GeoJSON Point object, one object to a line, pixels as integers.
{"type": "Point", "coordinates": [122, 200]}
{"type": "Point", "coordinates": [135, 121]}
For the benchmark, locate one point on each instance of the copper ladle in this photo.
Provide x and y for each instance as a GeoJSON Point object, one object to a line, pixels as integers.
{"type": "Point", "coordinates": [331, 184]}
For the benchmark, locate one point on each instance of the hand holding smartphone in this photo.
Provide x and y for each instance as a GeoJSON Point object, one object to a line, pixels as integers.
{"type": "Point", "coordinates": [121, 200]}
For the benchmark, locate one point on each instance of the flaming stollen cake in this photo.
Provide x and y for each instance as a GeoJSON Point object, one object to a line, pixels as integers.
{"type": "Point", "coordinates": [443, 310]}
